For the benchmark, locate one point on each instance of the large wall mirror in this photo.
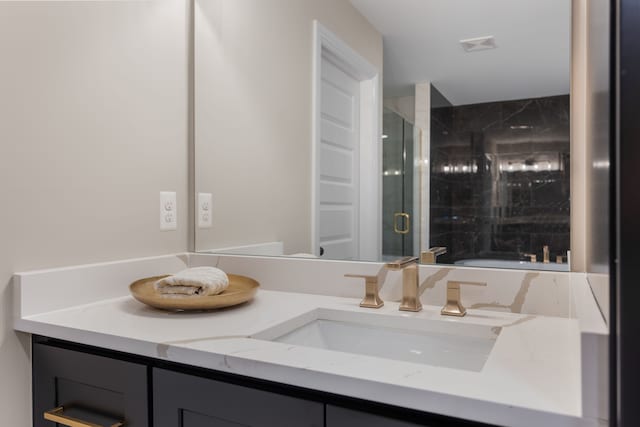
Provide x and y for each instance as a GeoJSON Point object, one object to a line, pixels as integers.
{"type": "Point", "coordinates": [375, 129]}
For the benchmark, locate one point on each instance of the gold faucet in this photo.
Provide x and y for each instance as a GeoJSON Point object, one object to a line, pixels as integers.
{"type": "Point", "coordinates": [410, 283]}
{"type": "Point", "coordinates": [545, 254]}
{"type": "Point", "coordinates": [454, 307]}
{"type": "Point", "coordinates": [532, 257]}
{"type": "Point", "coordinates": [371, 297]}
{"type": "Point", "coordinates": [429, 257]}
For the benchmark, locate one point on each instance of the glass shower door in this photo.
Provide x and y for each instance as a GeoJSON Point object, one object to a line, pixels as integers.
{"type": "Point", "coordinates": [397, 186]}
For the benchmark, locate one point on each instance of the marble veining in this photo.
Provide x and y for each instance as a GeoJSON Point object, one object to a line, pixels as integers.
{"type": "Point", "coordinates": [163, 347]}
{"type": "Point", "coordinates": [496, 329]}
{"type": "Point", "coordinates": [518, 300]}
{"type": "Point", "coordinates": [431, 281]}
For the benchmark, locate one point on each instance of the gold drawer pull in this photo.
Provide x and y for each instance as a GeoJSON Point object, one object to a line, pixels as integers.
{"type": "Point", "coordinates": [57, 416]}
{"type": "Point", "coordinates": [396, 228]}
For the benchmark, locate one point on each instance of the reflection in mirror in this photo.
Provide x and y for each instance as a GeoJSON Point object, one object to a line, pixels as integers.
{"type": "Point", "coordinates": [398, 231]}
{"type": "Point", "coordinates": [374, 129]}
{"type": "Point", "coordinates": [500, 182]}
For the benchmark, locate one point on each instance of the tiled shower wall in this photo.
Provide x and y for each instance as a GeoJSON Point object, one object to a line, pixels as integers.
{"type": "Point", "coordinates": [500, 179]}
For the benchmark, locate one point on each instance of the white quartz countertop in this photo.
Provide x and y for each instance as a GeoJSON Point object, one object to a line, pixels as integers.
{"type": "Point", "coordinates": [531, 378]}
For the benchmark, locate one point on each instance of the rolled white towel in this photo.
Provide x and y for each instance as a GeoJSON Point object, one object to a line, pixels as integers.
{"type": "Point", "coordinates": [198, 281]}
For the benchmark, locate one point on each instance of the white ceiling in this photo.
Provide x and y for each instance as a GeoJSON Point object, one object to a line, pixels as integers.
{"type": "Point", "coordinates": [421, 43]}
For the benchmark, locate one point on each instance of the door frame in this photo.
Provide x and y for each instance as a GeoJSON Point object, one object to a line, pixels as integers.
{"type": "Point", "coordinates": [625, 231]}
{"type": "Point", "coordinates": [370, 180]}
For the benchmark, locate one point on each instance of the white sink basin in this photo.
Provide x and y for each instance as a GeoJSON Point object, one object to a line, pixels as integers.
{"type": "Point", "coordinates": [443, 343]}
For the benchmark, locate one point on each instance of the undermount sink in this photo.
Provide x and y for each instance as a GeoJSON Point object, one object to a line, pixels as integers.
{"type": "Point", "coordinates": [450, 344]}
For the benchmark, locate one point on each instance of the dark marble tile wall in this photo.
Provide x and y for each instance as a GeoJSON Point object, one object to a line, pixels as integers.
{"type": "Point", "coordinates": [500, 179]}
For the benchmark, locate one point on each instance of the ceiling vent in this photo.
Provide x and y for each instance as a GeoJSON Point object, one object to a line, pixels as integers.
{"type": "Point", "coordinates": [479, 43]}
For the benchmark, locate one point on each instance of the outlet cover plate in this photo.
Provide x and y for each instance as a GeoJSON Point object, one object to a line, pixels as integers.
{"type": "Point", "coordinates": [205, 203]}
{"type": "Point", "coordinates": [168, 211]}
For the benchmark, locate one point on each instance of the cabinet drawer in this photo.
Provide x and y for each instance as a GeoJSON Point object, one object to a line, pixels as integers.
{"type": "Point", "coordinates": [92, 388]}
{"type": "Point", "coordinates": [181, 400]}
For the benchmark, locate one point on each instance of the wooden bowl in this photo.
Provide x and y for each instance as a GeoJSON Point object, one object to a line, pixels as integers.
{"type": "Point", "coordinates": [241, 289]}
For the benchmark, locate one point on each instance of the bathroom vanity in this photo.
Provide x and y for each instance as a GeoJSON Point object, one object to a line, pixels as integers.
{"type": "Point", "coordinates": [113, 387]}
{"type": "Point", "coordinates": [516, 359]}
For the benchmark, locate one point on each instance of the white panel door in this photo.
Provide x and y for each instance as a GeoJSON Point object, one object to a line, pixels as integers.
{"type": "Point", "coordinates": [338, 166]}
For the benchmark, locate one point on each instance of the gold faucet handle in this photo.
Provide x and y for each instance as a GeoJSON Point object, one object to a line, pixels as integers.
{"type": "Point", "coordinates": [454, 306]}
{"type": "Point", "coordinates": [532, 257]}
{"type": "Point", "coordinates": [371, 297]}
{"type": "Point", "coordinates": [401, 263]}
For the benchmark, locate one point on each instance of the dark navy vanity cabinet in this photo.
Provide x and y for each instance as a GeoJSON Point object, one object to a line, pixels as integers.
{"type": "Point", "coordinates": [93, 385]}
{"type": "Point", "coordinates": [88, 387]}
{"type": "Point", "coordinates": [190, 401]}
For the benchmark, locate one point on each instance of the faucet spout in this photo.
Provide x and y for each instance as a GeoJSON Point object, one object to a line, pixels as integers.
{"type": "Point", "coordinates": [410, 282]}
{"type": "Point", "coordinates": [429, 256]}
{"type": "Point", "coordinates": [401, 263]}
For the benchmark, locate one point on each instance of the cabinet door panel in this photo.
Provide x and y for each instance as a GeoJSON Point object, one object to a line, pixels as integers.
{"type": "Point", "coordinates": [181, 400]}
{"type": "Point", "coordinates": [193, 419]}
{"type": "Point", "coordinates": [341, 417]}
{"type": "Point", "coordinates": [93, 388]}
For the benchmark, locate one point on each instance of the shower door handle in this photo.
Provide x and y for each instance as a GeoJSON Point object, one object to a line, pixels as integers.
{"type": "Point", "coordinates": [406, 223]}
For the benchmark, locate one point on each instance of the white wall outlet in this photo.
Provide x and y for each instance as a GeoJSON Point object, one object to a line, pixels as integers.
{"type": "Point", "coordinates": [168, 211]}
{"type": "Point", "coordinates": [204, 210]}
